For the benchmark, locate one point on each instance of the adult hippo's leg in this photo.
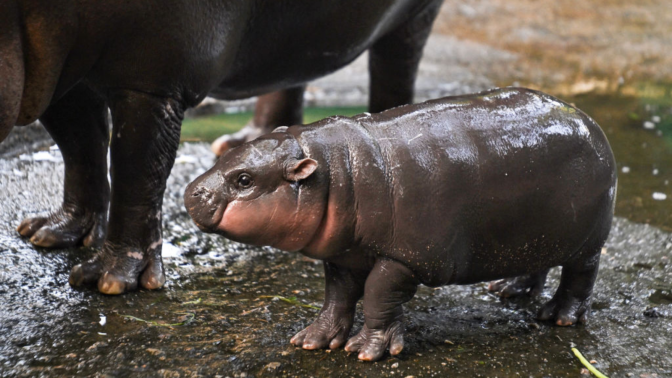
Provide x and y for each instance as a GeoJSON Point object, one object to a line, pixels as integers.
{"type": "Point", "coordinates": [281, 108]}
{"type": "Point", "coordinates": [12, 70]}
{"type": "Point", "coordinates": [532, 284]}
{"type": "Point", "coordinates": [394, 60]}
{"type": "Point", "coordinates": [332, 326]}
{"type": "Point", "coordinates": [145, 137]}
{"type": "Point", "coordinates": [78, 125]}
{"type": "Point", "coordinates": [388, 286]}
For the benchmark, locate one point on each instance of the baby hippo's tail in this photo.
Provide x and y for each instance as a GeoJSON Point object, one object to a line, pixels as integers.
{"type": "Point", "coordinates": [11, 67]}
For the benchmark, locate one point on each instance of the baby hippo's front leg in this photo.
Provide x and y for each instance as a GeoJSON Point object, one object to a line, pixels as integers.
{"type": "Point", "coordinates": [388, 286]}
{"type": "Point", "coordinates": [343, 289]}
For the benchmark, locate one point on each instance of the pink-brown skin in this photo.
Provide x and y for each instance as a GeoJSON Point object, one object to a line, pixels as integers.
{"type": "Point", "coordinates": [519, 181]}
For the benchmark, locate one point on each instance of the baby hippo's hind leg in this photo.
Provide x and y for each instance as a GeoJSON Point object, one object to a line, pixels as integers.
{"type": "Point", "coordinates": [532, 284]}
{"type": "Point", "coordinates": [571, 302]}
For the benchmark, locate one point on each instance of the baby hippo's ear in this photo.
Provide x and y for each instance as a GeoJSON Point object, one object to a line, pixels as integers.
{"type": "Point", "coordinates": [296, 170]}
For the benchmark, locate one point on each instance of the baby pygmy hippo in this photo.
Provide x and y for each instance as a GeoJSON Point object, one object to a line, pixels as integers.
{"type": "Point", "coordinates": [458, 190]}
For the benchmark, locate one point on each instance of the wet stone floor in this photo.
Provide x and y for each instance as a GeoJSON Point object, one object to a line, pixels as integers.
{"type": "Point", "coordinates": [230, 310]}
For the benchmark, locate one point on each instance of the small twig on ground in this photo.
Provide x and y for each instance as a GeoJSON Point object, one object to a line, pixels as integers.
{"type": "Point", "coordinates": [587, 364]}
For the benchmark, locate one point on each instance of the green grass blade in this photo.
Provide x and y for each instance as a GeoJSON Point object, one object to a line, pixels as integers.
{"type": "Point", "coordinates": [587, 364]}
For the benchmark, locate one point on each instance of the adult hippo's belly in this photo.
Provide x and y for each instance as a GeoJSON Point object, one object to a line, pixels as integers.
{"type": "Point", "coordinates": [276, 66]}
{"type": "Point", "coordinates": [65, 63]}
{"type": "Point", "coordinates": [277, 52]}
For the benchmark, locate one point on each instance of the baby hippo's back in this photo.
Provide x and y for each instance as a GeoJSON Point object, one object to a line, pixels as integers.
{"type": "Point", "coordinates": [499, 184]}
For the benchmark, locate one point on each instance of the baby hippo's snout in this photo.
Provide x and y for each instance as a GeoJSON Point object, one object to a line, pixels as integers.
{"type": "Point", "coordinates": [205, 201]}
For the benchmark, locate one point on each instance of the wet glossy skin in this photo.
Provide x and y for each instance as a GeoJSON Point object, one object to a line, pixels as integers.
{"type": "Point", "coordinates": [393, 58]}
{"type": "Point", "coordinates": [65, 62]}
{"type": "Point", "coordinates": [452, 191]}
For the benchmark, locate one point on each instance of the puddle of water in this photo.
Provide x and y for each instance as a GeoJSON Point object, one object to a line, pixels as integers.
{"type": "Point", "coordinates": [661, 297]}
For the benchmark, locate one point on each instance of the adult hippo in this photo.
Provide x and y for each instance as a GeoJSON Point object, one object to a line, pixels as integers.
{"type": "Point", "coordinates": [65, 62]}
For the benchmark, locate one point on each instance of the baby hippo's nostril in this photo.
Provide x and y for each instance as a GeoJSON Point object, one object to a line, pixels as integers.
{"type": "Point", "coordinates": [199, 191]}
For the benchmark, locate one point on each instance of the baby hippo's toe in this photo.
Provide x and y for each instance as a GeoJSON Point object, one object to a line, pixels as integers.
{"type": "Point", "coordinates": [565, 311]}
{"type": "Point", "coordinates": [326, 331]}
{"type": "Point", "coordinates": [372, 343]}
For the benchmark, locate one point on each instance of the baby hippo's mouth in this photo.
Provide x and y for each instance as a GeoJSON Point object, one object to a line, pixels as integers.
{"type": "Point", "coordinates": [205, 207]}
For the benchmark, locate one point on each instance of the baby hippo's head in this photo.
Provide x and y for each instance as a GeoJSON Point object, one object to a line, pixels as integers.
{"type": "Point", "coordinates": [254, 192]}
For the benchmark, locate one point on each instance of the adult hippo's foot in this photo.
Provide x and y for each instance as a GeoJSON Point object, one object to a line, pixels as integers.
{"type": "Point", "coordinates": [66, 227]}
{"type": "Point", "coordinates": [281, 108]}
{"type": "Point", "coordinates": [146, 136]}
{"type": "Point", "coordinates": [532, 284]}
{"type": "Point", "coordinates": [120, 269]}
{"type": "Point", "coordinates": [332, 327]}
{"type": "Point", "coordinates": [250, 132]}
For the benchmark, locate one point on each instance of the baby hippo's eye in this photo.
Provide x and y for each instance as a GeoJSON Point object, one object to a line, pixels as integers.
{"type": "Point", "coordinates": [244, 181]}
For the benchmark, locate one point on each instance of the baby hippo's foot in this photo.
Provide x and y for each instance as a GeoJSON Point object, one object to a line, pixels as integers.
{"type": "Point", "coordinates": [66, 227]}
{"type": "Point", "coordinates": [532, 284]}
{"type": "Point", "coordinates": [246, 134]}
{"type": "Point", "coordinates": [117, 270]}
{"type": "Point", "coordinates": [330, 329]}
{"type": "Point", "coordinates": [565, 310]}
{"type": "Point", "coordinates": [372, 343]}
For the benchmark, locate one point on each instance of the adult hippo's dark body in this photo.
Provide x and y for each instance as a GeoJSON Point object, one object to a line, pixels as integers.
{"type": "Point", "coordinates": [66, 61]}
{"type": "Point", "coordinates": [452, 191]}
